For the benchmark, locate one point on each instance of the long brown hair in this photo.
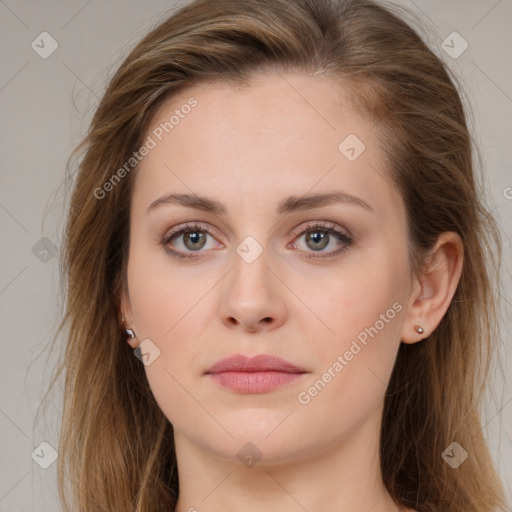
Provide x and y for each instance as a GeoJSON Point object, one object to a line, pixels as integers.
{"type": "Point", "coordinates": [116, 447]}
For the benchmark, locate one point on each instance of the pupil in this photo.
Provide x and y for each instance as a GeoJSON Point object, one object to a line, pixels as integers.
{"type": "Point", "coordinates": [317, 237]}
{"type": "Point", "coordinates": [194, 238]}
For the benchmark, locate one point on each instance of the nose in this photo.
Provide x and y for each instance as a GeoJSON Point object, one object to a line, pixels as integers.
{"type": "Point", "coordinates": [253, 296]}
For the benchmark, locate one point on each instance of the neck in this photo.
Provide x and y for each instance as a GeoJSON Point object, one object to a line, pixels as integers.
{"type": "Point", "coordinates": [345, 476]}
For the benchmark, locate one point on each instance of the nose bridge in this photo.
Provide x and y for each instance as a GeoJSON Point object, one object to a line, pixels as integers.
{"type": "Point", "coordinates": [251, 296]}
{"type": "Point", "coordinates": [250, 278]}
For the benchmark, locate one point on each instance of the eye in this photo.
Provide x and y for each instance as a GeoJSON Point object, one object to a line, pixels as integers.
{"type": "Point", "coordinates": [193, 239]}
{"type": "Point", "coordinates": [318, 236]}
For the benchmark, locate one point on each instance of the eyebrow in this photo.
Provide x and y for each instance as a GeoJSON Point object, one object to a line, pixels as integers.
{"type": "Point", "coordinates": [288, 205]}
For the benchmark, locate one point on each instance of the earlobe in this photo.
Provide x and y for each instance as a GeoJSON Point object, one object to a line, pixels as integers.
{"type": "Point", "coordinates": [131, 338]}
{"type": "Point", "coordinates": [126, 326]}
{"type": "Point", "coordinates": [435, 289]}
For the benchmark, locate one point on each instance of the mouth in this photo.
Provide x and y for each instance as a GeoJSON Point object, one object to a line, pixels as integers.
{"type": "Point", "coordinates": [258, 374]}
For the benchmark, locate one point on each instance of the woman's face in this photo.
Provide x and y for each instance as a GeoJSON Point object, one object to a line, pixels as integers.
{"type": "Point", "coordinates": [269, 266]}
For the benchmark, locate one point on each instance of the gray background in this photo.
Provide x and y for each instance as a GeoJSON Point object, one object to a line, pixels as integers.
{"type": "Point", "coordinates": [45, 106]}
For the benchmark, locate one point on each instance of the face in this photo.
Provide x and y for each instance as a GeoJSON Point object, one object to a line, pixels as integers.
{"type": "Point", "coordinates": [265, 264]}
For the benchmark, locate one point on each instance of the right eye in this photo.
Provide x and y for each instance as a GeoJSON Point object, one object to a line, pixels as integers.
{"type": "Point", "coordinates": [193, 238]}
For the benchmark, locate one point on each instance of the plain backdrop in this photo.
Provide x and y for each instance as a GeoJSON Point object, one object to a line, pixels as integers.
{"type": "Point", "coordinates": [45, 107]}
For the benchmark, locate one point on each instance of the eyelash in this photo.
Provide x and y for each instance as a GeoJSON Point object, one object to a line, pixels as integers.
{"type": "Point", "coordinates": [323, 227]}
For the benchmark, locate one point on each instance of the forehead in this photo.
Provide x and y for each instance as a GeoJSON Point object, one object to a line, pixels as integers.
{"type": "Point", "coordinates": [284, 133]}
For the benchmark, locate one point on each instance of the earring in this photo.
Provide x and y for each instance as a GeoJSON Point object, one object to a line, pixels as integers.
{"type": "Point", "coordinates": [418, 329]}
{"type": "Point", "coordinates": [129, 332]}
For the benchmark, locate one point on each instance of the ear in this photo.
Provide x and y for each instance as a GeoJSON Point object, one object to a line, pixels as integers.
{"type": "Point", "coordinates": [434, 289]}
{"type": "Point", "coordinates": [125, 312]}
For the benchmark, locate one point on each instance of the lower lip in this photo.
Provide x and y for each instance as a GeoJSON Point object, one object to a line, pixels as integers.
{"type": "Point", "coordinates": [254, 382]}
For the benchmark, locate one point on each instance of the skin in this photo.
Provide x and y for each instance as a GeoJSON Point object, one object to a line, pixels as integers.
{"type": "Point", "coordinates": [249, 149]}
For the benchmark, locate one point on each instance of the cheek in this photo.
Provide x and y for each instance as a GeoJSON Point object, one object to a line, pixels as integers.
{"type": "Point", "coordinates": [360, 296]}
{"type": "Point", "coordinates": [161, 297]}
{"type": "Point", "coordinates": [171, 311]}
{"type": "Point", "coordinates": [354, 368]}
{"type": "Point", "coordinates": [364, 313]}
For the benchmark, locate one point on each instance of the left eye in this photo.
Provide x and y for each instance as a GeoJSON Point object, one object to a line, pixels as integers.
{"type": "Point", "coordinates": [317, 237]}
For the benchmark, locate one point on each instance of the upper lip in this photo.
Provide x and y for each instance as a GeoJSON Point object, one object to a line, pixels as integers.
{"type": "Point", "coordinates": [261, 363]}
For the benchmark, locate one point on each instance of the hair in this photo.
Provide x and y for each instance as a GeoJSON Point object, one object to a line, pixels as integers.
{"type": "Point", "coordinates": [116, 448]}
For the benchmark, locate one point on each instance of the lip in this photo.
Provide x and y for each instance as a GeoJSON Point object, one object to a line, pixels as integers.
{"type": "Point", "coordinates": [257, 374]}
{"type": "Point", "coordinates": [260, 363]}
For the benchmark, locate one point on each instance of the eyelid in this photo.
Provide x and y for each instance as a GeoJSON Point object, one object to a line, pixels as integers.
{"type": "Point", "coordinates": [189, 226]}
{"type": "Point", "coordinates": [321, 224]}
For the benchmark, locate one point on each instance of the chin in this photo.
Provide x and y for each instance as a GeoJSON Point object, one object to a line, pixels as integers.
{"type": "Point", "coordinates": [265, 438]}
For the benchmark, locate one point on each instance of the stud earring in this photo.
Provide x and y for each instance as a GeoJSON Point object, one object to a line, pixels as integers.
{"type": "Point", "coordinates": [129, 332]}
{"type": "Point", "coordinates": [418, 329]}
